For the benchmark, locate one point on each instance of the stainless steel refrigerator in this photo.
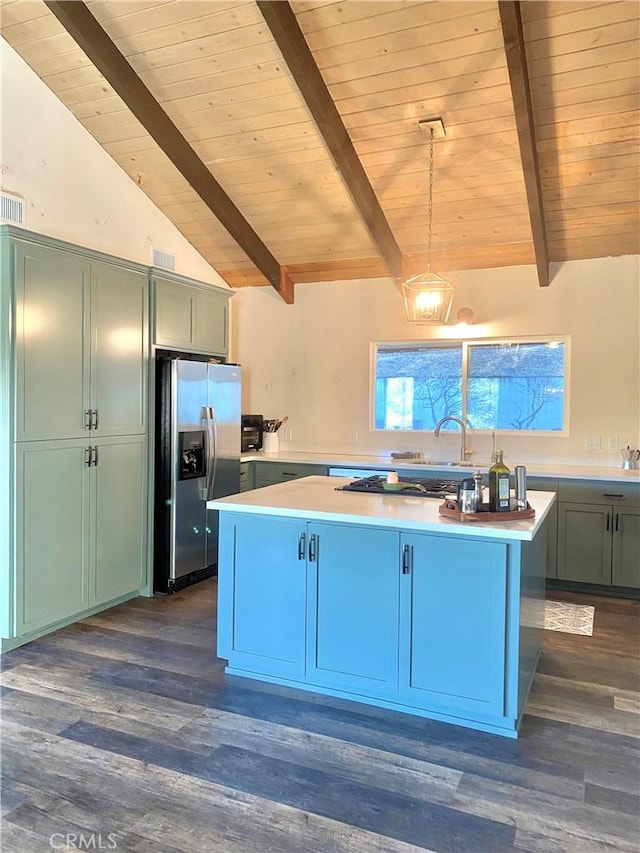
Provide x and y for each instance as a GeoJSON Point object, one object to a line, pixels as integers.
{"type": "Point", "coordinates": [197, 459]}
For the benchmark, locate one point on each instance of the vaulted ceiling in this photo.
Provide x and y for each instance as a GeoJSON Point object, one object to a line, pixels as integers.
{"type": "Point", "coordinates": [284, 139]}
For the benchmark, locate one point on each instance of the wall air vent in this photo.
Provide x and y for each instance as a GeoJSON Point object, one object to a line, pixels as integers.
{"type": "Point", "coordinates": [163, 259]}
{"type": "Point", "coordinates": [12, 209]}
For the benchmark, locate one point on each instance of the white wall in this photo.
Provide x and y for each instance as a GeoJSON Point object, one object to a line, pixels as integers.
{"type": "Point", "coordinates": [73, 190]}
{"type": "Point", "coordinates": [311, 360]}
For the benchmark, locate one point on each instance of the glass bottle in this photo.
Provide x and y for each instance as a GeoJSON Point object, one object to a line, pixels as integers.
{"type": "Point", "coordinates": [499, 488]}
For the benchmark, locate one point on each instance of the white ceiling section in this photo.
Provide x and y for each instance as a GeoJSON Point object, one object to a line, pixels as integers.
{"type": "Point", "coordinates": [219, 76]}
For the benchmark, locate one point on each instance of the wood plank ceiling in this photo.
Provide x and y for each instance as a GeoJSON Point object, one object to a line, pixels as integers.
{"type": "Point", "coordinates": [304, 130]}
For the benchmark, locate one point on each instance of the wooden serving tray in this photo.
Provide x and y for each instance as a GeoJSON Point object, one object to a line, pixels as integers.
{"type": "Point", "coordinates": [450, 510]}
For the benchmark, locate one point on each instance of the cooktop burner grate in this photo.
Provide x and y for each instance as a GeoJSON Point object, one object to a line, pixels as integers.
{"type": "Point", "coordinates": [408, 486]}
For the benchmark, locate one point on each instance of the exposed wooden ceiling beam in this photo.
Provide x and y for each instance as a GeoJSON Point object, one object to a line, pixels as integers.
{"type": "Point", "coordinates": [292, 44]}
{"type": "Point", "coordinates": [94, 41]}
{"type": "Point", "coordinates": [511, 21]}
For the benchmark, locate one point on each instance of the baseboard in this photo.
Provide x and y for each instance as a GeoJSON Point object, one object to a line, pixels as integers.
{"type": "Point", "coordinates": [593, 589]}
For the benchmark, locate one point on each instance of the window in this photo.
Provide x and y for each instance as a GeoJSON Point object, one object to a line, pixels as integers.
{"type": "Point", "coordinates": [506, 385]}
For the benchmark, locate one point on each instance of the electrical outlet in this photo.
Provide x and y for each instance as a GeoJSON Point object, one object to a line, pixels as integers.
{"type": "Point", "coordinates": [288, 434]}
{"type": "Point", "coordinates": [351, 436]}
{"type": "Point", "coordinates": [592, 442]}
{"type": "Point", "coordinates": [613, 442]}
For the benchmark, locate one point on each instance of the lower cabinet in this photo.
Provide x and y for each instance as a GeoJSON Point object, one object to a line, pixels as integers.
{"type": "Point", "coordinates": [80, 526]}
{"type": "Point", "coordinates": [452, 624]}
{"type": "Point", "coordinates": [262, 595]}
{"type": "Point", "coordinates": [416, 620]}
{"type": "Point", "coordinates": [599, 534]}
{"type": "Point", "coordinates": [352, 612]}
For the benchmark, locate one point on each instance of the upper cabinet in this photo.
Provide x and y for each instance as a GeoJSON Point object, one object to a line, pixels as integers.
{"type": "Point", "coordinates": [81, 346]}
{"type": "Point", "coordinates": [190, 316]}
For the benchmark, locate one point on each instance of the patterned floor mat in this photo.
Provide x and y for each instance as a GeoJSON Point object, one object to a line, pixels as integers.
{"type": "Point", "coordinates": [569, 618]}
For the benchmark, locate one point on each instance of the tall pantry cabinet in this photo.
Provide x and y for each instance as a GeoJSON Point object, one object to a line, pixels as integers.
{"type": "Point", "coordinates": [74, 390]}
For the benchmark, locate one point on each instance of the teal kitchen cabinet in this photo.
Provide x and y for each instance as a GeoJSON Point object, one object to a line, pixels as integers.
{"type": "Point", "coordinates": [118, 511]}
{"type": "Point", "coordinates": [430, 624]}
{"type": "Point", "coordinates": [81, 346]}
{"type": "Point", "coordinates": [541, 484]}
{"type": "Point", "coordinates": [52, 533]}
{"type": "Point", "coordinates": [262, 595]}
{"type": "Point", "coordinates": [353, 592]}
{"type": "Point", "coordinates": [189, 316]}
{"type": "Point", "coordinates": [80, 526]}
{"type": "Point", "coordinates": [599, 533]}
{"type": "Point", "coordinates": [452, 624]}
{"type": "Point", "coordinates": [246, 476]}
{"type": "Point", "coordinates": [288, 592]}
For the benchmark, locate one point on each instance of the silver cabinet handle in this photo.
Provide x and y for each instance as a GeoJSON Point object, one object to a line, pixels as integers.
{"type": "Point", "coordinates": [407, 559]}
{"type": "Point", "coordinates": [301, 545]}
{"type": "Point", "coordinates": [313, 553]}
{"type": "Point", "coordinates": [95, 418]}
{"type": "Point", "coordinates": [88, 418]}
{"type": "Point", "coordinates": [95, 456]}
{"type": "Point", "coordinates": [88, 455]}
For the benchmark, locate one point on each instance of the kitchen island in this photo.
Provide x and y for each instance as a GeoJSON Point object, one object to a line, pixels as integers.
{"type": "Point", "coordinates": [379, 599]}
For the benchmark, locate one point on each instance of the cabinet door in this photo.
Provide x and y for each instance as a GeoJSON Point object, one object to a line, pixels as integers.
{"type": "Point", "coordinates": [52, 339]}
{"type": "Point", "coordinates": [119, 350]}
{"type": "Point", "coordinates": [211, 322]}
{"type": "Point", "coordinates": [452, 625]}
{"type": "Point", "coordinates": [174, 315]}
{"type": "Point", "coordinates": [584, 542]}
{"type": "Point", "coordinates": [118, 516]}
{"type": "Point", "coordinates": [267, 588]}
{"type": "Point", "coordinates": [544, 485]}
{"type": "Point", "coordinates": [51, 532]}
{"type": "Point", "coordinates": [352, 637]}
{"type": "Point", "coordinates": [625, 569]}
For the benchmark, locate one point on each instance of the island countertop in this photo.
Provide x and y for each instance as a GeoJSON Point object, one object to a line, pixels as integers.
{"type": "Point", "coordinates": [319, 499]}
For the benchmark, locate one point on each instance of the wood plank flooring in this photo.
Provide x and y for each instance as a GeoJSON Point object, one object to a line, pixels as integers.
{"type": "Point", "coordinates": [122, 732]}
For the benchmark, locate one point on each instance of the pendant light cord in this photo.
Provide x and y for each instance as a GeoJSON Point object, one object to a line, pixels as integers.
{"type": "Point", "coordinates": [430, 210]}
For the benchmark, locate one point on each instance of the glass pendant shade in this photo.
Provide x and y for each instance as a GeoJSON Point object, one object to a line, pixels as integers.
{"type": "Point", "coordinates": [427, 298]}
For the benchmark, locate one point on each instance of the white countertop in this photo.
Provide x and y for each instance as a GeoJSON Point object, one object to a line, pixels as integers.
{"type": "Point", "coordinates": [385, 463]}
{"type": "Point", "coordinates": [316, 499]}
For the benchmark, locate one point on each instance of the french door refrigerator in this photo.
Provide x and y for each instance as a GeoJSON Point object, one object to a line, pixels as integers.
{"type": "Point", "coordinates": [197, 459]}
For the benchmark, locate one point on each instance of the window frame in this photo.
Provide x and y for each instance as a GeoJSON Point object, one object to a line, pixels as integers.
{"type": "Point", "coordinates": [466, 344]}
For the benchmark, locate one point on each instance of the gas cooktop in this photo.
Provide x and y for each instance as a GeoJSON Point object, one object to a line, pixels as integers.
{"type": "Point", "coordinates": [408, 486]}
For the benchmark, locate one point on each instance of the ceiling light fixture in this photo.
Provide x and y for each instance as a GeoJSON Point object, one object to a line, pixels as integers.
{"type": "Point", "coordinates": [428, 296]}
{"type": "Point", "coordinates": [465, 316]}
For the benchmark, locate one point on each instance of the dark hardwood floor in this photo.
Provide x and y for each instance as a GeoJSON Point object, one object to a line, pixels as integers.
{"type": "Point", "coordinates": [123, 733]}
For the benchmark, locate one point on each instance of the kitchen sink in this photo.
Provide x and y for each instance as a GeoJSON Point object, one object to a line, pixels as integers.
{"type": "Point", "coordinates": [448, 463]}
{"type": "Point", "coordinates": [436, 463]}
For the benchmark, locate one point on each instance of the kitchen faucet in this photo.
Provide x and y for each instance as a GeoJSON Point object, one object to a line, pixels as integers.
{"type": "Point", "coordinates": [463, 427]}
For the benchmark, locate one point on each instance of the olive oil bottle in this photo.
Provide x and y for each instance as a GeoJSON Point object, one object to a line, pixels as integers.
{"type": "Point", "coordinates": [499, 491]}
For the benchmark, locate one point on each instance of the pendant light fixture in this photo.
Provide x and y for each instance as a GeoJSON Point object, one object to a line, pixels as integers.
{"type": "Point", "coordinates": [428, 296]}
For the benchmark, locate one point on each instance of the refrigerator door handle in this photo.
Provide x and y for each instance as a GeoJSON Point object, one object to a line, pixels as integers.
{"type": "Point", "coordinates": [211, 444]}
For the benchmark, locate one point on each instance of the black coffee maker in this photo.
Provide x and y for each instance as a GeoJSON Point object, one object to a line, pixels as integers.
{"type": "Point", "coordinates": [252, 427]}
